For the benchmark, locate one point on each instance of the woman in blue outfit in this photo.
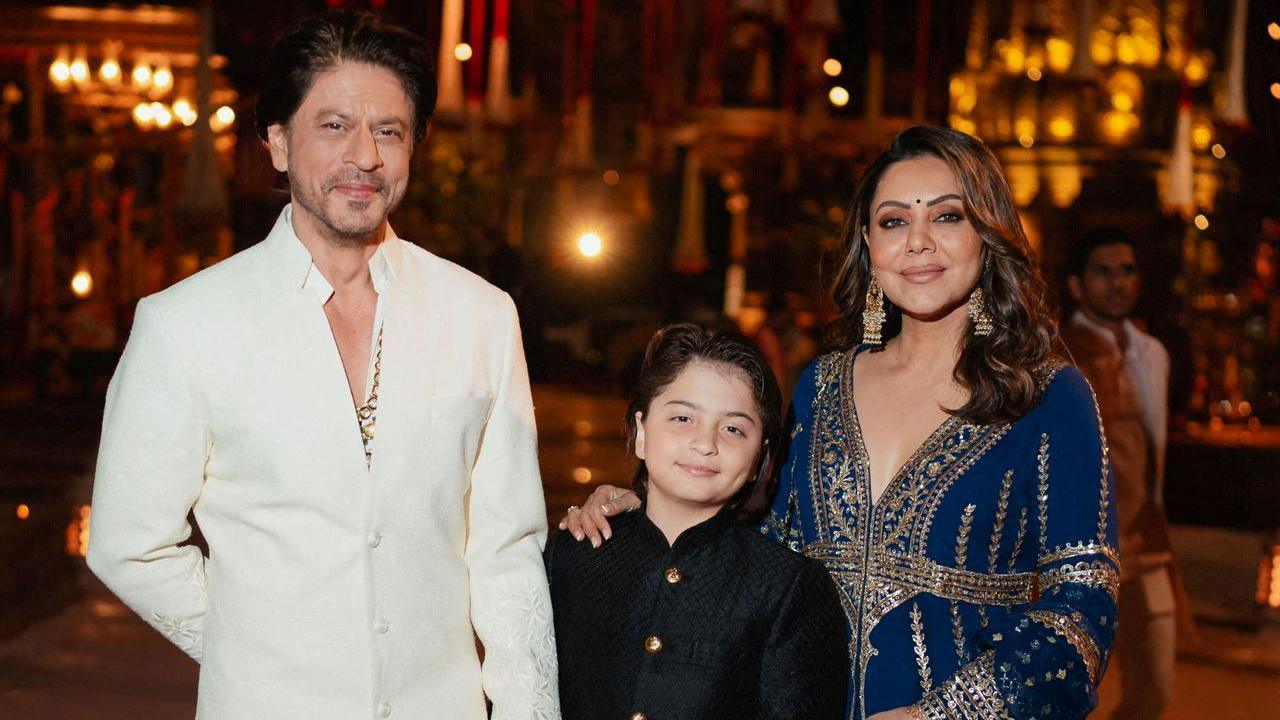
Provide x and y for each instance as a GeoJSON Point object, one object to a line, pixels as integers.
{"type": "Point", "coordinates": [948, 468]}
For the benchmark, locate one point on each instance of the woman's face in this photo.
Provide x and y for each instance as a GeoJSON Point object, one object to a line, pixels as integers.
{"type": "Point", "coordinates": [925, 253]}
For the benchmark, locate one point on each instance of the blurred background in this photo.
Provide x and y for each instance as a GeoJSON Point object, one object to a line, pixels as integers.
{"type": "Point", "coordinates": [617, 164]}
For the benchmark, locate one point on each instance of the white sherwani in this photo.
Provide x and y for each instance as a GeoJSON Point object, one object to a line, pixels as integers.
{"type": "Point", "coordinates": [332, 589]}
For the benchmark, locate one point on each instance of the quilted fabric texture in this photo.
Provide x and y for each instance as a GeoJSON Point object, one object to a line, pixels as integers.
{"type": "Point", "coordinates": [724, 624]}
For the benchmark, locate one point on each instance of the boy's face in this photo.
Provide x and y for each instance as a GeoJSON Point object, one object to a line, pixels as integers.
{"type": "Point", "coordinates": [701, 437]}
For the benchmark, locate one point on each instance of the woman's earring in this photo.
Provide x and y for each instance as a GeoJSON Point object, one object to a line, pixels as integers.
{"type": "Point", "coordinates": [982, 324]}
{"type": "Point", "coordinates": [873, 313]}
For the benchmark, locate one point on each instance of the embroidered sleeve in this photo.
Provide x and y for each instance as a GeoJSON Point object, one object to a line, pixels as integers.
{"type": "Point", "coordinates": [1046, 662]}
{"type": "Point", "coordinates": [782, 523]}
{"type": "Point", "coordinates": [506, 529]}
{"type": "Point", "coordinates": [150, 473]}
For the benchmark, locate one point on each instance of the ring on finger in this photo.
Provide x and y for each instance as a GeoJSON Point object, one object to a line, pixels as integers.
{"type": "Point", "coordinates": [572, 508]}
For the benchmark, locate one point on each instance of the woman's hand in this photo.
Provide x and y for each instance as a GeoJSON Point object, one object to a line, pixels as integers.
{"type": "Point", "coordinates": [592, 519]}
{"type": "Point", "coordinates": [907, 712]}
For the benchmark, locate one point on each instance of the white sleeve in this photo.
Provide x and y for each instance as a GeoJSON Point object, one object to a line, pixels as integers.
{"type": "Point", "coordinates": [507, 528]}
{"type": "Point", "coordinates": [150, 472]}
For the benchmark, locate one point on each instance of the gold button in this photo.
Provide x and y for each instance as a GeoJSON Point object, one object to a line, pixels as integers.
{"type": "Point", "coordinates": [653, 644]}
{"type": "Point", "coordinates": [639, 716]}
{"type": "Point", "coordinates": [674, 576]}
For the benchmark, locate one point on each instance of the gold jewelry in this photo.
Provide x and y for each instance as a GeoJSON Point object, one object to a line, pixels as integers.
{"type": "Point", "coordinates": [873, 313]}
{"type": "Point", "coordinates": [366, 414]}
{"type": "Point", "coordinates": [982, 322]}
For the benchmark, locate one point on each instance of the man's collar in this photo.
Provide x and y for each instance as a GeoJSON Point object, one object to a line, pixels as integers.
{"type": "Point", "coordinates": [299, 270]}
{"type": "Point", "coordinates": [1083, 320]}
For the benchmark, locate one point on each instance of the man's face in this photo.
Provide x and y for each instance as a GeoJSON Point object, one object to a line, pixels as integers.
{"type": "Point", "coordinates": [1108, 287]}
{"type": "Point", "coordinates": [347, 151]}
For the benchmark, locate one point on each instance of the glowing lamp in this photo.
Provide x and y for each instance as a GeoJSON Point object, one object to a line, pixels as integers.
{"type": "Point", "coordinates": [590, 245]}
{"type": "Point", "coordinates": [81, 284]}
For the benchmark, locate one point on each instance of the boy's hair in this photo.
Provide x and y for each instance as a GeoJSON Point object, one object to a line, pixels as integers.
{"type": "Point", "coordinates": [676, 347]}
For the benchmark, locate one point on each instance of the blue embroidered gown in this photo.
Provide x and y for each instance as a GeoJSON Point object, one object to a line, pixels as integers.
{"type": "Point", "coordinates": [982, 583]}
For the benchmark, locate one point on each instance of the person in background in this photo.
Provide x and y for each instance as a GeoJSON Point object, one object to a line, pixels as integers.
{"type": "Point", "coordinates": [1129, 371]}
{"type": "Point", "coordinates": [689, 612]}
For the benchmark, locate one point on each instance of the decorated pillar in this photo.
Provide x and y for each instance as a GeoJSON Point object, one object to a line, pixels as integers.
{"type": "Point", "coordinates": [498, 96]}
{"type": "Point", "coordinates": [450, 99]}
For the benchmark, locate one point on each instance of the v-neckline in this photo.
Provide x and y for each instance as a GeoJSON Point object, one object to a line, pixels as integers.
{"type": "Point", "coordinates": [859, 447]}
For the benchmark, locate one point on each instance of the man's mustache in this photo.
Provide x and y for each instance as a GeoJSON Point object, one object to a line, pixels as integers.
{"type": "Point", "coordinates": [357, 178]}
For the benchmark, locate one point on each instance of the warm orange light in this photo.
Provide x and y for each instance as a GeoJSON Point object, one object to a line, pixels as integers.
{"type": "Point", "coordinates": [143, 115]}
{"type": "Point", "coordinates": [611, 177]}
{"type": "Point", "coordinates": [222, 118]}
{"type": "Point", "coordinates": [838, 96]}
{"type": "Point", "coordinates": [24, 511]}
{"type": "Point", "coordinates": [1201, 136]}
{"type": "Point", "coordinates": [832, 67]}
{"type": "Point", "coordinates": [160, 115]}
{"type": "Point", "coordinates": [582, 475]}
{"type": "Point", "coordinates": [1202, 222]}
{"type": "Point", "coordinates": [109, 71]}
{"type": "Point", "coordinates": [590, 245]}
{"type": "Point", "coordinates": [141, 75]}
{"type": "Point", "coordinates": [162, 78]}
{"type": "Point", "coordinates": [462, 52]}
{"type": "Point", "coordinates": [1034, 74]}
{"type": "Point", "coordinates": [1218, 151]}
{"type": "Point", "coordinates": [1197, 70]}
{"type": "Point", "coordinates": [1273, 29]}
{"type": "Point", "coordinates": [1122, 102]}
{"type": "Point", "coordinates": [1275, 90]}
{"type": "Point", "coordinates": [82, 284]}
{"type": "Point", "coordinates": [1061, 128]}
{"type": "Point", "coordinates": [1060, 53]}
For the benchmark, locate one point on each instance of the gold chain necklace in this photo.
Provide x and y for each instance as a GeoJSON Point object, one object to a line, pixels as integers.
{"type": "Point", "coordinates": [366, 414]}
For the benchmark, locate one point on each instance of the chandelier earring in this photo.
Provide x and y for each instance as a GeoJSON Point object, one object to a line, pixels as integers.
{"type": "Point", "coordinates": [978, 313]}
{"type": "Point", "coordinates": [873, 313]}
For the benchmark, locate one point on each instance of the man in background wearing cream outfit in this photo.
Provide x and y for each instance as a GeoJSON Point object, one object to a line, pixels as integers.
{"type": "Point", "coordinates": [349, 417]}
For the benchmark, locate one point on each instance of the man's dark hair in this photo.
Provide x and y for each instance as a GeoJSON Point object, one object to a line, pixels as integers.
{"type": "Point", "coordinates": [338, 36]}
{"type": "Point", "coordinates": [1078, 259]}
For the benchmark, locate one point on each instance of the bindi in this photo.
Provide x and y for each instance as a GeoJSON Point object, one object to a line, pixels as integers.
{"type": "Point", "coordinates": [917, 201]}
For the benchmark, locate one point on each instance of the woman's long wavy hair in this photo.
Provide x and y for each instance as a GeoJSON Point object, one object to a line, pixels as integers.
{"type": "Point", "coordinates": [1000, 369]}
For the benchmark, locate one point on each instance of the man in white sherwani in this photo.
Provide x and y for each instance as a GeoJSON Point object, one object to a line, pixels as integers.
{"type": "Point", "coordinates": [349, 417]}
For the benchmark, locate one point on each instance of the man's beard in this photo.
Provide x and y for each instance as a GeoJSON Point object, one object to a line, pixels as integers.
{"type": "Point", "coordinates": [357, 232]}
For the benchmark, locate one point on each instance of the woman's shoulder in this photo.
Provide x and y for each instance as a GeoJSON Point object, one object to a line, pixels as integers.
{"type": "Point", "coordinates": [822, 371]}
{"type": "Point", "coordinates": [1065, 394]}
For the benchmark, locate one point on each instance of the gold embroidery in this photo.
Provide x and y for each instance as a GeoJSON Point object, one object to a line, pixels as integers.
{"type": "Point", "coordinates": [962, 559]}
{"type": "Point", "coordinates": [1103, 500]}
{"type": "Point", "coordinates": [1080, 549]}
{"type": "Point", "coordinates": [913, 575]}
{"type": "Point", "coordinates": [1098, 574]}
{"type": "Point", "coordinates": [997, 529]}
{"type": "Point", "coordinates": [921, 650]}
{"type": "Point", "coordinates": [971, 693]}
{"type": "Point", "coordinates": [1070, 628]}
{"type": "Point", "coordinates": [1042, 492]}
{"type": "Point", "coordinates": [1017, 539]}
